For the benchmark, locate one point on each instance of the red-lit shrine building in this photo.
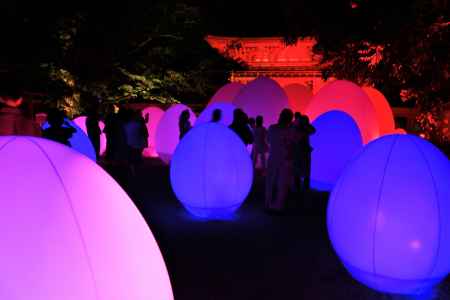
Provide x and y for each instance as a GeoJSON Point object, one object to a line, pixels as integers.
{"type": "Point", "coordinates": [272, 58]}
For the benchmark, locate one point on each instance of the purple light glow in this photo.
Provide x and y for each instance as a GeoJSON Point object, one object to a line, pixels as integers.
{"type": "Point", "coordinates": [168, 132]}
{"type": "Point", "coordinates": [211, 171]}
{"type": "Point", "coordinates": [262, 96]}
{"type": "Point", "coordinates": [227, 113]}
{"type": "Point", "coordinates": [337, 140]}
{"type": "Point", "coordinates": [227, 93]}
{"type": "Point", "coordinates": [79, 141]}
{"type": "Point", "coordinates": [81, 122]}
{"type": "Point", "coordinates": [69, 231]}
{"type": "Point", "coordinates": [155, 115]}
{"type": "Point", "coordinates": [389, 215]}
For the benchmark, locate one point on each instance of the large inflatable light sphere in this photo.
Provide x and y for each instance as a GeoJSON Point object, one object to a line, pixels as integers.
{"type": "Point", "coordinates": [79, 140]}
{"type": "Point", "coordinates": [382, 109]}
{"type": "Point", "coordinates": [227, 93]}
{"type": "Point", "coordinates": [168, 131]}
{"type": "Point", "coordinates": [347, 97]}
{"type": "Point", "coordinates": [337, 140]}
{"type": "Point", "coordinates": [389, 215]}
{"type": "Point", "coordinates": [81, 122]}
{"type": "Point", "coordinates": [299, 96]}
{"type": "Point", "coordinates": [211, 171]}
{"type": "Point", "coordinates": [227, 110]}
{"type": "Point", "coordinates": [262, 96]}
{"type": "Point", "coordinates": [69, 231]}
{"type": "Point", "coordinates": [155, 114]}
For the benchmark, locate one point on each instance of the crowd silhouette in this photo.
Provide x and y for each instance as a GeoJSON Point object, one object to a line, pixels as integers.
{"type": "Point", "coordinates": [282, 152]}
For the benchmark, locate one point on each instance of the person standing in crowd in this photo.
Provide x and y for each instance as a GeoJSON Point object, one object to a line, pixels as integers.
{"type": "Point", "coordinates": [93, 129]}
{"type": "Point", "coordinates": [59, 130]}
{"type": "Point", "coordinates": [260, 146]}
{"type": "Point", "coordinates": [302, 152]}
{"type": "Point", "coordinates": [184, 123]}
{"type": "Point", "coordinates": [15, 115]}
{"type": "Point", "coordinates": [240, 126]}
{"type": "Point", "coordinates": [279, 179]}
{"type": "Point", "coordinates": [216, 116]}
{"type": "Point", "coordinates": [116, 145]}
{"type": "Point", "coordinates": [136, 139]}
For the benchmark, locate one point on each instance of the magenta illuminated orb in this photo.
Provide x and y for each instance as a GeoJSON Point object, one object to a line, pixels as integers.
{"type": "Point", "coordinates": [227, 113]}
{"type": "Point", "coordinates": [337, 140]}
{"type": "Point", "coordinates": [79, 141]}
{"type": "Point", "coordinates": [211, 171]}
{"type": "Point", "coordinates": [262, 96]}
{"type": "Point", "coordinates": [227, 93]}
{"type": "Point", "coordinates": [350, 98]}
{"type": "Point", "coordinates": [81, 122]}
{"type": "Point", "coordinates": [168, 131]}
{"type": "Point", "coordinates": [69, 231]}
{"type": "Point", "coordinates": [389, 215]}
{"type": "Point", "coordinates": [155, 115]}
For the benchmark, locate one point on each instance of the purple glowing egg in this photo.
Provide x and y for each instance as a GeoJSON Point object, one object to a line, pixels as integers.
{"type": "Point", "coordinates": [79, 141]}
{"type": "Point", "coordinates": [81, 122]}
{"type": "Point", "coordinates": [168, 131]}
{"type": "Point", "coordinates": [389, 215]}
{"type": "Point", "coordinates": [336, 142]}
{"type": "Point", "coordinates": [227, 110]}
{"type": "Point", "coordinates": [69, 231]}
{"type": "Point", "coordinates": [262, 96]}
{"type": "Point", "coordinates": [155, 114]}
{"type": "Point", "coordinates": [227, 93]}
{"type": "Point", "coordinates": [211, 171]}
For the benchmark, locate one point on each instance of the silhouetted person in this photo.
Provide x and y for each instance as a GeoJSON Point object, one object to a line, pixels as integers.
{"type": "Point", "coordinates": [260, 146]}
{"type": "Point", "coordinates": [216, 115]}
{"type": "Point", "coordinates": [15, 115]}
{"type": "Point", "coordinates": [116, 145]}
{"type": "Point", "coordinates": [279, 179]}
{"type": "Point", "coordinates": [184, 123]}
{"type": "Point", "coordinates": [136, 138]}
{"type": "Point", "coordinates": [240, 126]}
{"type": "Point", "coordinates": [93, 129]}
{"type": "Point", "coordinates": [59, 130]}
{"type": "Point", "coordinates": [303, 150]}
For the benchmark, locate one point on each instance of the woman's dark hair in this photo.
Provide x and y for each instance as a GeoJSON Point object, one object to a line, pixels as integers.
{"type": "Point", "coordinates": [286, 116]}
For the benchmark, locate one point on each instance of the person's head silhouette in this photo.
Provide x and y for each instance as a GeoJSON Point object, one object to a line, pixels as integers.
{"type": "Point", "coordinates": [216, 115]}
{"type": "Point", "coordinates": [285, 118]}
{"type": "Point", "coordinates": [55, 118]}
{"type": "Point", "coordinates": [259, 121]}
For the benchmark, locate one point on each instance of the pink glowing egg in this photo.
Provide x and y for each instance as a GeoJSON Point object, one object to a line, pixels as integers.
{"type": "Point", "coordinates": [168, 132]}
{"type": "Point", "coordinates": [347, 97]}
{"type": "Point", "coordinates": [262, 96]}
{"type": "Point", "coordinates": [69, 231]}
{"type": "Point", "coordinates": [81, 122]}
{"type": "Point", "coordinates": [227, 110]}
{"type": "Point", "coordinates": [227, 93]}
{"type": "Point", "coordinates": [383, 110]}
{"type": "Point", "coordinates": [299, 96]}
{"type": "Point", "coordinates": [155, 114]}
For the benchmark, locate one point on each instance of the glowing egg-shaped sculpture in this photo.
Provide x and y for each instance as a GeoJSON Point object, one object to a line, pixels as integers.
{"type": "Point", "coordinates": [400, 131]}
{"type": "Point", "coordinates": [227, 93]}
{"type": "Point", "coordinates": [347, 97]}
{"type": "Point", "coordinates": [383, 110]}
{"type": "Point", "coordinates": [227, 110]}
{"type": "Point", "coordinates": [337, 140]}
{"type": "Point", "coordinates": [69, 231]}
{"type": "Point", "coordinates": [389, 215]}
{"type": "Point", "coordinates": [81, 122]}
{"type": "Point", "coordinates": [262, 96]}
{"type": "Point", "coordinates": [211, 171]}
{"type": "Point", "coordinates": [168, 131]}
{"type": "Point", "coordinates": [79, 141]}
{"type": "Point", "coordinates": [155, 114]}
{"type": "Point", "coordinates": [299, 96]}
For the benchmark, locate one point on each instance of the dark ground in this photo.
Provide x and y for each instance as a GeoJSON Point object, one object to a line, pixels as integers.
{"type": "Point", "coordinates": [254, 257]}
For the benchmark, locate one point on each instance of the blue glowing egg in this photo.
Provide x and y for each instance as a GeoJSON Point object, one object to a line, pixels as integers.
{"type": "Point", "coordinates": [211, 171]}
{"type": "Point", "coordinates": [79, 141]}
{"type": "Point", "coordinates": [389, 215]}
{"type": "Point", "coordinates": [337, 140]}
